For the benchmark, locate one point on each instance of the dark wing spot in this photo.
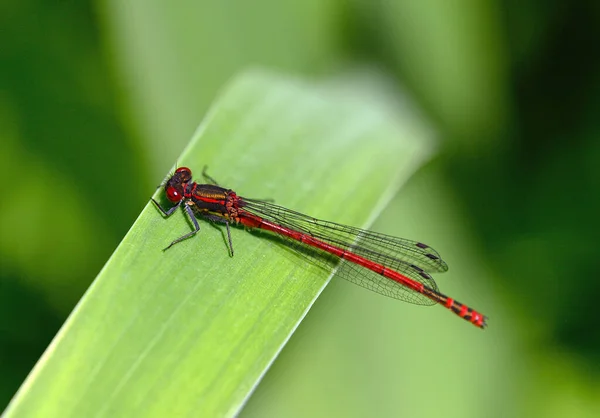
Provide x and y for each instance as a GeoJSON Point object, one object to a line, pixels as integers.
{"type": "Point", "coordinates": [419, 269]}
{"type": "Point", "coordinates": [421, 245]}
{"type": "Point", "coordinates": [432, 256]}
{"type": "Point", "coordinates": [422, 272]}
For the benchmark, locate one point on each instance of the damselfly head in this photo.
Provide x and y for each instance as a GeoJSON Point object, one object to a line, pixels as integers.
{"type": "Point", "coordinates": [174, 187]}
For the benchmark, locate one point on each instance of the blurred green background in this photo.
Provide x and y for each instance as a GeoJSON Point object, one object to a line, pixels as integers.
{"type": "Point", "coordinates": [98, 99]}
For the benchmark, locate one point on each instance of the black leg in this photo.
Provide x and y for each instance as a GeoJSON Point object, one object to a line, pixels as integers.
{"type": "Point", "coordinates": [189, 234]}
{"type": "Point", "coordinates": [169, 212]}
{"type": "Point", "coordinates": [219, 219]}
{"type": "Point", "coordinates": [208, 178]}
{"type": "Point", "coordinates": [229, 238]}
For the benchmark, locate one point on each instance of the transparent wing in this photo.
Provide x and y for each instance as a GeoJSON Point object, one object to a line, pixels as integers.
{"type": "Point", "coordinates": [411, 258]}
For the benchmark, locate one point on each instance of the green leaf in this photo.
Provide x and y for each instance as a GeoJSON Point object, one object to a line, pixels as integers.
{"type": "Point", "coordinates": [191, 331]}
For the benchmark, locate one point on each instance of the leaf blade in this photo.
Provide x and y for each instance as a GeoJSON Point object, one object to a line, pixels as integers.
{"type": "Point", "coordinates": [191, 329]}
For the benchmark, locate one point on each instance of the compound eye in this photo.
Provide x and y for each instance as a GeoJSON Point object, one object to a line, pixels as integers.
{"type": "Point", "coordinates": [172, 194]}
{"type": "Point", "coordinates": [183, 174]}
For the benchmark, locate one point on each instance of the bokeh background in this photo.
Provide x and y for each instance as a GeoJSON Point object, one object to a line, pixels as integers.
{"type": "Point", "coordinates": [98, 99]}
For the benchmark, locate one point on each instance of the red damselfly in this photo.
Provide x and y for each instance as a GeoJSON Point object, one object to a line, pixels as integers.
{"type": "Point", "coordinates": [394, 267]}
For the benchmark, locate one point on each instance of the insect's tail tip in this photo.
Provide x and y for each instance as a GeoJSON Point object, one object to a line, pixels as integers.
{"type": "Point", "coordinates": [483, 324]}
